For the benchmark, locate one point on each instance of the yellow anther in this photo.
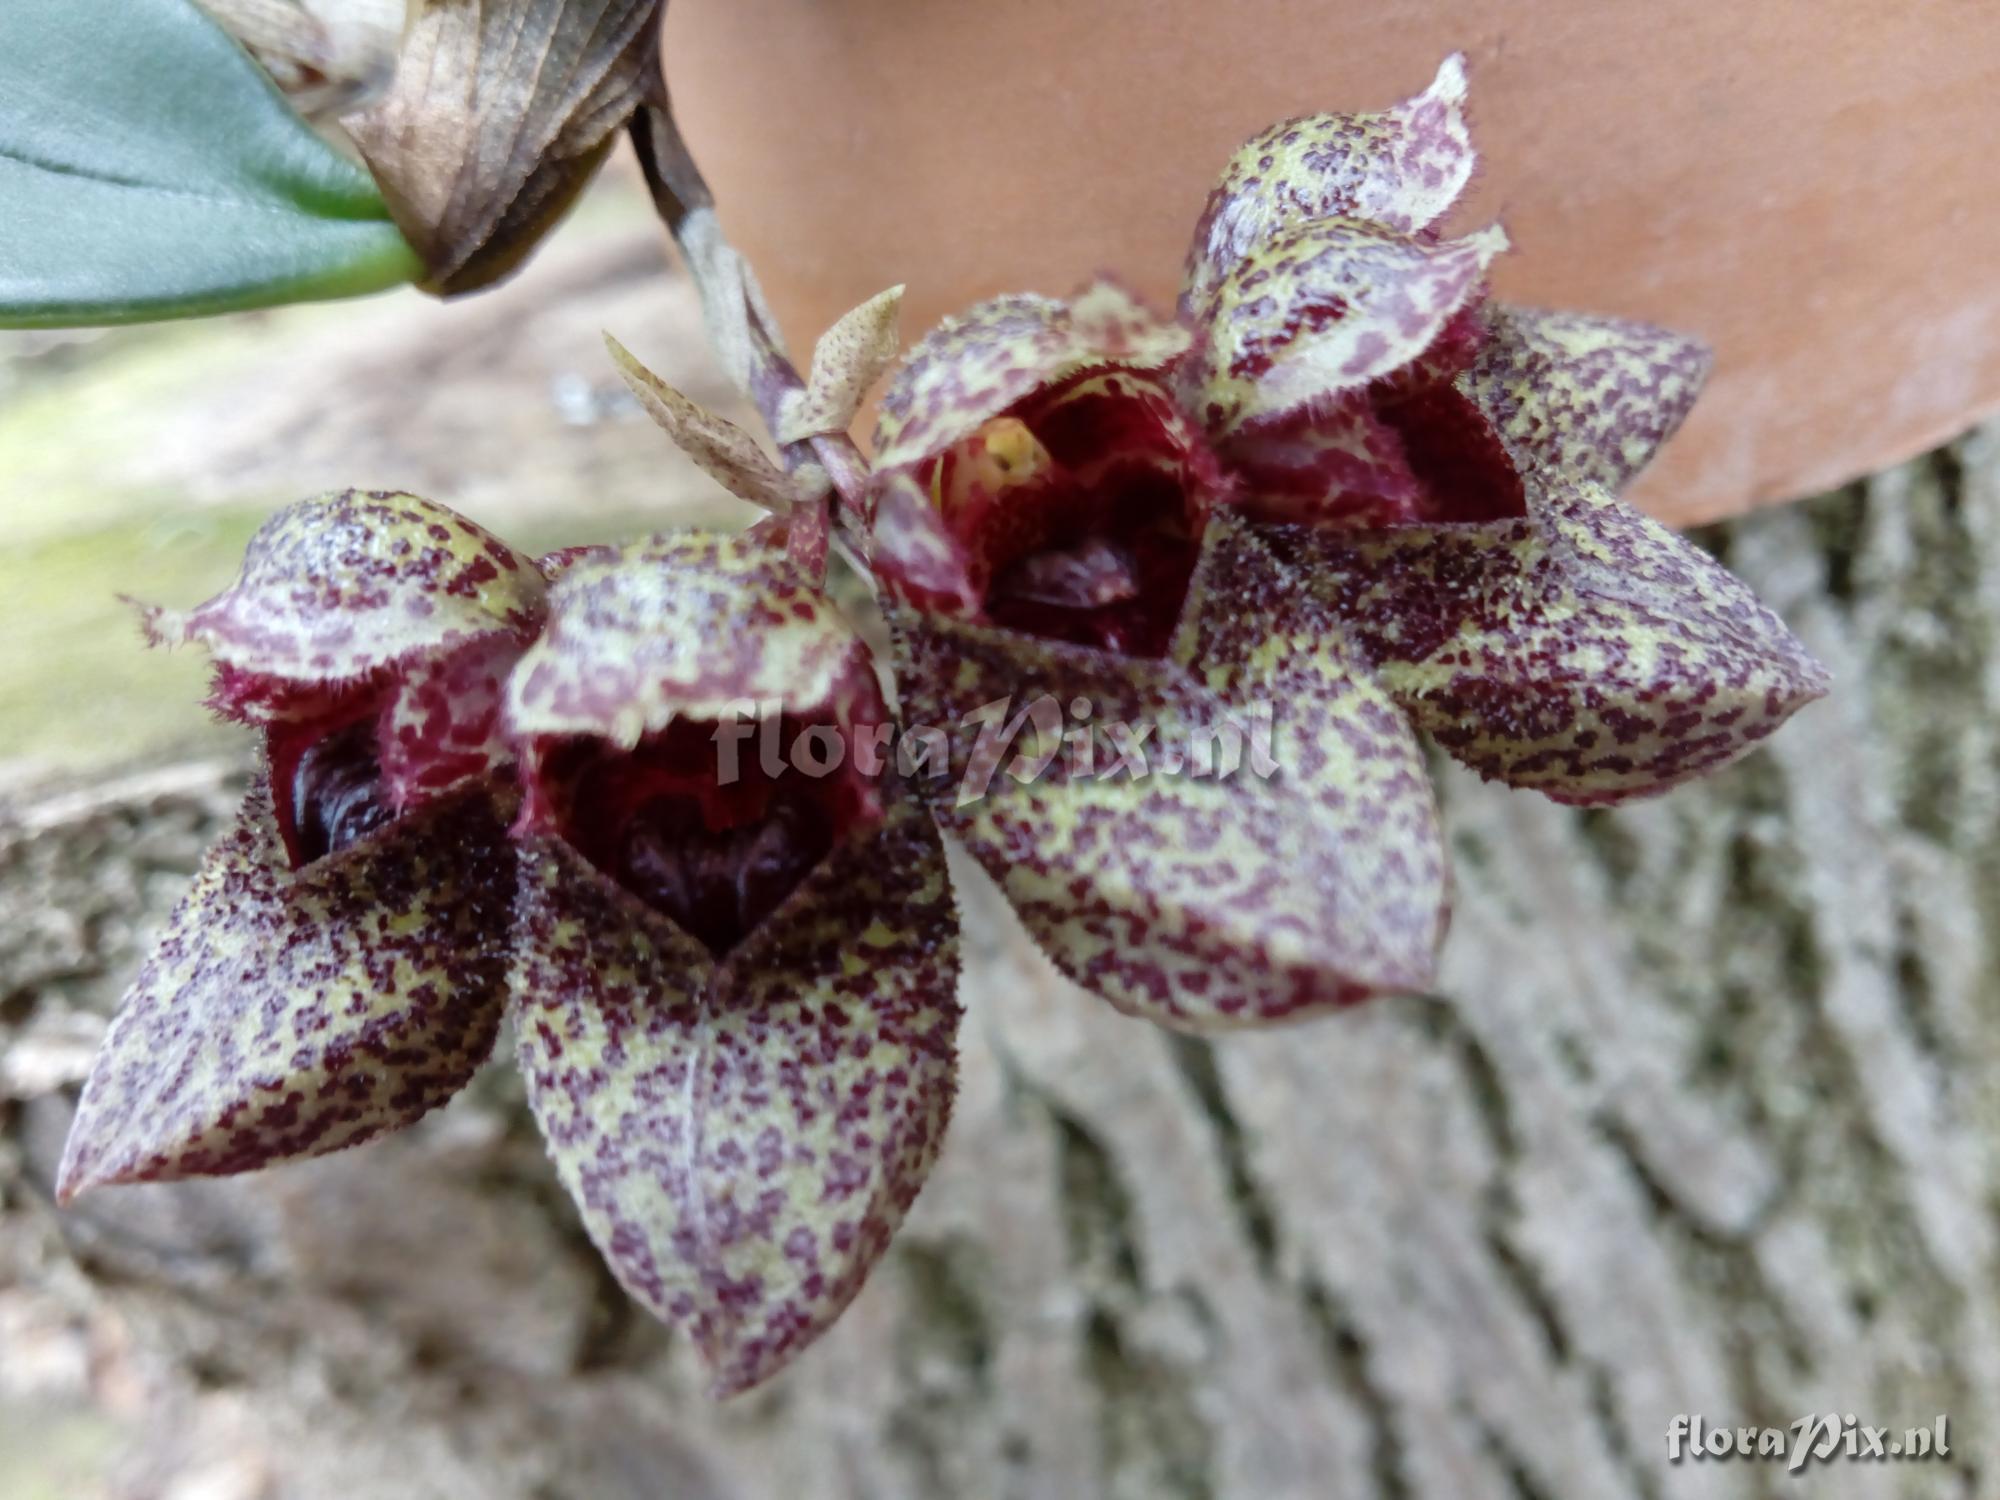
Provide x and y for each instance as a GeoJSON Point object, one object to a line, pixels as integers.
{"type": "Point", "coordinates": [1002, 455]}
{"type": "Point", "coordinates": [1013, 453]}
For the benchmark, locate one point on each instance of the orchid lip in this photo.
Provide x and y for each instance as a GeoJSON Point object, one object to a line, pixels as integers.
{"type": "Point", "coordinates": [327, 787]}
{"type": "Point", "coordinates": [1080, 510]}
{"type": "Point", "coordinates": [336, 795]}
{"type": "Point", "coordinates": [712, 842]}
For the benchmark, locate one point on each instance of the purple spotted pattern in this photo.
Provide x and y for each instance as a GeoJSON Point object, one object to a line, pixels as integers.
{"type": "Point", "coordinates": [336, 970]}
{"type": "Point", "coordinates": [744, 1136]}
{"type": "Point", "coordinates": [286, 1014]}
{"type": "Point", "coordinates": [339, 587]}
{"type": "Point", "coordinates": [1430, 474]}
{"type": "Point", "coordinates": [1584, 650]}
{"type": "Point", "coordinates": [1324, 309]}
{"type": "Point", "coordinates": [1401, 168]}
{"type": "Point", "coordinates": [1196, 899]}
{"type": "Point", "coordinates": [687, 624]}
{"type": "Point", "coordinates": [1586, 396]}
{"type": "Point", "coordinates": [974, 366]}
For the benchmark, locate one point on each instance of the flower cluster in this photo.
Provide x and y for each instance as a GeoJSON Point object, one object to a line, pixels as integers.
{"type": "Point", "coordinates": [1340, 480]}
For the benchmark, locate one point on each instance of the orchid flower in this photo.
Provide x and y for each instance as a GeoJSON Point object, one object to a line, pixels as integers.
{"type": "Point", "coordinates": [733, 994]}
{"type": "Point", "coordinates": [1342, 482]}
{"type": "Point", "coordinates": [338, 967]}
{"type": "Point", "coordinates": [653, 804]}
{"type": "Point", "coordinates": [734, 984]}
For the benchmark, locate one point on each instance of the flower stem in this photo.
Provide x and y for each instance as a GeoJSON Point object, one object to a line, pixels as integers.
{"type": "Point", "coordinates": [740, 324]}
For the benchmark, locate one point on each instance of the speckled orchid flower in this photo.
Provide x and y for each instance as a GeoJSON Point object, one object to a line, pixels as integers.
{"type": "Point", "coordinates": [338, 967]}
{"type": "Point", "coordinates": [723, 921]}
{"type": "Point", "coordinates": [1340, 481]}
{"type": "Point", "coordinates": [734, 985]}
{"type": "Point", "coordinates": [1052, 528]}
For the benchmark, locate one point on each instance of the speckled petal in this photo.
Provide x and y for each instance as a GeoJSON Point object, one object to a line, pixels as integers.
{"type": "Point", "coordinates": [687, 623]}
{"type": "Point", "coordinates": [442, 724]}
{"type": "Point", "coordinates": [1401, 168]}
{"type": "Point", "coordinates": [1341, 466]}
{"type": "Point", "coordinates": [721, 449]}
{"type": "Point", "coordinates": [847, 361]}
{"type": "Point", "coordinates": [1593, 396]}
{"type": "Point", "coordinates": [1325, 309]}
{"type": "Point", "coordinates": [286, 1015]}
{"type": "Point", "coordinates": [340, 586]}
{"type": "Point", "coordinates": [912, 552]}
{"type": "Point", "coordinates": [1199, 901]}
{"type": "Point", "coordinates": [1584, 651]}
{"type": "Point", "coordinates": [744, 1139]}
{"type": "Point", "coordinates": [976, 365]}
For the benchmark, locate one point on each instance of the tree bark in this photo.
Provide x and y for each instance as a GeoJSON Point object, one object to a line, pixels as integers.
{"type": "Point", "coordinates": [1703, 1121]}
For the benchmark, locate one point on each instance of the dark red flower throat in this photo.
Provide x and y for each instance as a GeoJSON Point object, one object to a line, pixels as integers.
{"type": "Point", "coordinates": [1080, 511]}
{"type": "Point", "coordinates": [715, 855]}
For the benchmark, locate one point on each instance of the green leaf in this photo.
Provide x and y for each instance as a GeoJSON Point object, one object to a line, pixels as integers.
{"type": "Point", "coordinates": [149, 169]}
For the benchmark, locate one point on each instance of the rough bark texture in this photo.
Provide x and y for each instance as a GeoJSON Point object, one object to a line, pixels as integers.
{"type": "Point", "coordinates": [1704, 1121]}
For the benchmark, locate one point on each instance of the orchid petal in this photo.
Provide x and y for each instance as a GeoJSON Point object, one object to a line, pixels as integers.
{"type": "Point", "coordinates": [913, 553]}
{"type": "Point", "coordinates": [974, 366]}
{"type": "Point", "coordinates": [442, 724]}
{"type": "Point", "coordinates": [850, 357]}
{"type": "Point", "coordinates": [721, 449]}
{"type": "Point", "coordinates": [338, 587]}
{"type": "Point", "coordinates": [288, 1014]}
{"type": "Point", "coordinates": [1584, 651]}
{"type": "Point", "coordinates": [1341, 466]}
{"type": "Point", "coordinates": [1595, 397]}
{"type": "Point", "coordinates": [1401, 168]}
{"type": "Point", "coordinates": [743, 1138]}
{"type": "Point", "coordinates": [690, 624]}
{"type": "Point", "coordinates": [1325, 309]}
{"type": "Point", "coordinates": [1195, 899]}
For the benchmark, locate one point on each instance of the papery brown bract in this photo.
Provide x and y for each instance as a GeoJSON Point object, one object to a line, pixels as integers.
{"type": "Point", "coordinates": [499, 114]}
{"type": "Point", "coordinates": [721, 449]}
{"type": "Point", "coordinates": [848, 360]}
{"type": "Point", "coordinates": [743, 1118]}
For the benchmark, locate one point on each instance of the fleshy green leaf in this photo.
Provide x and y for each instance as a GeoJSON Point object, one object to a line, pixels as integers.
{"type": "Point", "coordinates": [1199, 900]}
{"type": "Point", "coordinates": [1591, 396]}
{"type": "Point", "coordinates": [287, 1014]}
{"type": "Point", "coordinates": [151, 170]}
{"type": "Point", "coordinates": [743, 1138]}
{"type": "Point", "coordinates": [1584, 650]}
